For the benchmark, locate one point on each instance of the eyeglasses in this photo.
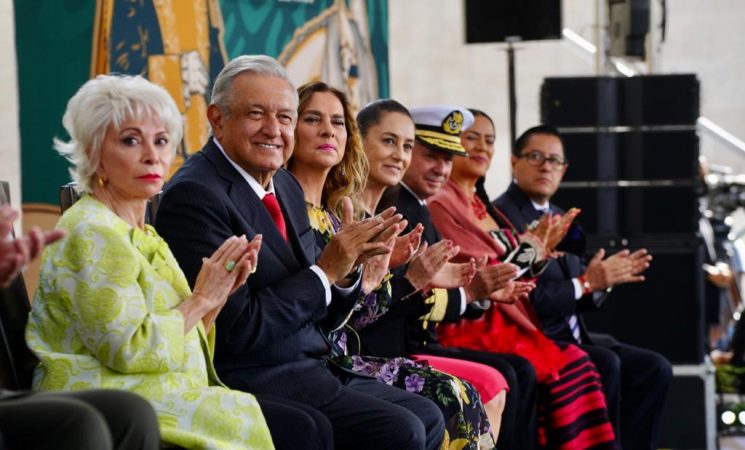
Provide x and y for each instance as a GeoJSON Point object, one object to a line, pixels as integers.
{"type": "Point", "coordinates": [536, 159]}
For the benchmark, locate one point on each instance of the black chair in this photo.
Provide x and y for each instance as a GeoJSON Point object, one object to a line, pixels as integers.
{"type": "Point", "coordinates": [17, 363]}
{"type": "Point", "coordinates": [68, 196]}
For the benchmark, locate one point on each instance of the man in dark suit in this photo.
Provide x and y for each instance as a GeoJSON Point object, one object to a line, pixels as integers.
{"type": "Point", "coordinates": [403, 332]}
{"type": "Point", "coordinates": [268, 336]}
{"type": "Point", "coordinates": [635, 381]}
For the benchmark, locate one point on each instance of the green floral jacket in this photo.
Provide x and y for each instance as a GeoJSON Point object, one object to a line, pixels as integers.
{"type": "Point", "coordinates": [104, 317]}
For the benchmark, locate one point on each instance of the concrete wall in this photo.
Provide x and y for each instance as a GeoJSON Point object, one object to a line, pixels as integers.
{"type": "Point", "coordinates": [430, 64]}
{"type": "Point", "coordinates": [10, 165]}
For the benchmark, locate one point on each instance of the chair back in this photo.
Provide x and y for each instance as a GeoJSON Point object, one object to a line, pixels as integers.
{"type": "Point", "coordinates": [17, 363]}
{"type": "Point", "coordinates": [68, 196]}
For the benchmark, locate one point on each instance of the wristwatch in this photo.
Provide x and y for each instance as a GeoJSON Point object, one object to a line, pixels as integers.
{"type": "Point", "coordinates": [586, 288]}
{"type": "Point", "coordinates": [355, 273]}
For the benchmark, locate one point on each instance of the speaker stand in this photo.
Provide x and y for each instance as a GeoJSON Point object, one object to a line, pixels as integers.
{"type": "Point", "coordinates": [510, 40]}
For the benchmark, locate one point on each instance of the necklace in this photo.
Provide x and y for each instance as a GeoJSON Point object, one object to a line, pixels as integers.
{"type": "Point", "coordinates": [478, 207]}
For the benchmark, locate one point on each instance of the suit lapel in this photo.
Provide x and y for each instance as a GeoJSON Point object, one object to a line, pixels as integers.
{"type": "Point", "coordinates": [524, 207]}
{"type": "Point", "coordinates": [415, 212]}
{"type": "Point", "coordinates": [250, 206]}
{"type": "Point", "coordinates": [294, 211]}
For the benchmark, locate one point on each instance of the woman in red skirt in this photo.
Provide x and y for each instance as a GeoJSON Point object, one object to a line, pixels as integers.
{"type": "Point", "coordinates": [573, 413]}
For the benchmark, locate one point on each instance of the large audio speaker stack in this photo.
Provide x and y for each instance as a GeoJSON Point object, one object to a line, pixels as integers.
{"type": "Point", "coordinates": [633, 152]}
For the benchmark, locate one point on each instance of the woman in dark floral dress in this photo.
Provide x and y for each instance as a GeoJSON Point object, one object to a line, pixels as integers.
{"type": "Point", "coordinates": [330, 165]}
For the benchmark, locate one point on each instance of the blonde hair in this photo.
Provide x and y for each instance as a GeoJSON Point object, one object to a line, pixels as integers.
{"type": "Point", "coordinates": [110, 100]}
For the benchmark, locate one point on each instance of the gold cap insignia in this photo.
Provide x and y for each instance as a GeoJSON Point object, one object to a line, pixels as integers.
{"type": "Point", "coordinates": [453, 123]}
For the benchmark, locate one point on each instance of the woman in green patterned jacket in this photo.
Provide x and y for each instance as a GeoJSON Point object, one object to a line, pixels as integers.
{"type": "Point", "coordinates": [113, 309]}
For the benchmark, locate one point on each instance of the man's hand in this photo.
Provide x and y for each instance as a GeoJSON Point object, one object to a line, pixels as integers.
{"type": "Point", "coordinates": [720, 274]}
{"type": "Point", "coordinates": [453, 275]}
{"type": "Point", "coordinates": [640, 261]}
{"type": "Point", "coordinates": [489, 279]}
{"type": "Point", "coordinates": [552, 228]}
{"type": "Point", "coordinates": [428, 261]}
{"type": "Point", "coordinates": [512, 291]}
{"type": "Point", "coordinates": [358, 241]}
{"type": "Point", "coordinates": [622, 267]}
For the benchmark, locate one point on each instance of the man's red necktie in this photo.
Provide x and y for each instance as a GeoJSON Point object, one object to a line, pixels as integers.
{"type": "Point", "coordinates": [272, 205]}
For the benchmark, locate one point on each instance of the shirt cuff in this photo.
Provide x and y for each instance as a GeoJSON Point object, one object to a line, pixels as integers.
{"type": "Point", "coordinates": [348, 290]}
{"type": "Point", "coordinates": [463, 303]}
{"type": "Point", "coordinates": [325, 281]}
{"type": "Point", "coordinates": [577, 288]}
{"type": "Point", "coordinates": [481, 304]}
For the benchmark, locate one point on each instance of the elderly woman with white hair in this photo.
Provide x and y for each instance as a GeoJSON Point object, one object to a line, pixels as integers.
{"type": "Point", "coordinates": [113, 309]}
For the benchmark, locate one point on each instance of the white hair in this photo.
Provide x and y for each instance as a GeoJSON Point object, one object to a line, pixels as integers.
{"type": "Point", "coordinates": [110, 100]}
{"type": "Point", "coordinates": [254, 64]}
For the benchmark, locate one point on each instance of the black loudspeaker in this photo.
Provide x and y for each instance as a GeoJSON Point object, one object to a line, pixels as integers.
{"type": "Point", "coordinates": [665, 313]}
{"type": "Point", "coordinates": [494, 21]}
{"type": "Point", "coordinates": [660, 100]}
{"type": "Point", "coordinates": [631, 155]}
{"type": "Point", "coordinates": [580, 101]}
{"type": "Point", "coordinates": [647, 100]}
{"type": "Point", "coordinates": [632, 211]}
{"type": "Point", "coordinates": [686, 418]}
{"type": "Point", "coordinates": [638, 28]}
{"type": "Point", "coordinates": [629, 26]}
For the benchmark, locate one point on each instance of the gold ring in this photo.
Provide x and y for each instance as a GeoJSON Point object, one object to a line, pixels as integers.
{"type": "Point", "coordinates": [229, 266]}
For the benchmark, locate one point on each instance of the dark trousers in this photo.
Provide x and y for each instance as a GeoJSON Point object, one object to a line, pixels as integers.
{"type": "Point", "coordinates": [96, 420]}
{"type": "Point", "coordinates": [519, 419]}
{"type": "Point", "coordinates": [371, 415]}
{"type": "Point", "coordinates": [635, 384]}
{"type": "Point", "coordinates": [296, 426]}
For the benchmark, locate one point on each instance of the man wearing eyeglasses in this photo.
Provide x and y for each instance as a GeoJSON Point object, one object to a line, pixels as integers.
{"type": "Point", "coordinates": [635, 381]}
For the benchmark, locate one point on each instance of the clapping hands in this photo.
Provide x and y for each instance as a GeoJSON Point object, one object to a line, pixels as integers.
{"type": "Point", "coordinates": [552, 228]}
{"type": "Point", "coordinates": [357, 241]}
{"type": "Point", "coordinates": [619, 268]}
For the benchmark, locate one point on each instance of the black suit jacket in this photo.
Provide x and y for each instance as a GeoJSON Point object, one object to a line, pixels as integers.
{"type": "Point", "coordinates": [554, 296]}
{"type": "Point", "coordinates": [400, 331]}
{"type": "Point", "coordinates": [268, 339]}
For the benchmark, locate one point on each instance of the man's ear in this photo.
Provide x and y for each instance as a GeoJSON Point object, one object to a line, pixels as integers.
{"type": "Point", "coordinates": [215, 117]}
{"type": "Point", "coordinates": [513, 161]}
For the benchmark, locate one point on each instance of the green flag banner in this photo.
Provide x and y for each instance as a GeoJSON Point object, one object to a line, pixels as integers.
{"type": "Point", "coordinates": [181, 45]}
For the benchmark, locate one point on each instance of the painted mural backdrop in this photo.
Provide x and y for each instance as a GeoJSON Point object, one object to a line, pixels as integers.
{"type": "Point", "coordinates": [181, 45]}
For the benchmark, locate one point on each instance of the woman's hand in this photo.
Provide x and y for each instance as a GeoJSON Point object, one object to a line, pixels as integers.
{"type": "Point", "coordinates": [375, 269]}
{"type": "Point", "coordinates": [358, 241]}
{"type": "Point", "coordinates": [406, 246]}
{"type": "Point", "coordinates": [428, 261]}
{"type": "Point", "coordinates": [221, 274]}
